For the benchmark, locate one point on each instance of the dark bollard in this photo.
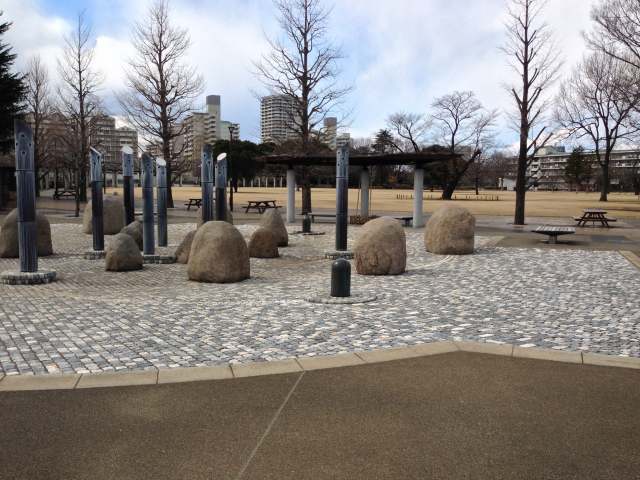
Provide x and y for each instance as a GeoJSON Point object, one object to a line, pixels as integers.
{"type": "Point", "coordinates": [341, 278]}
{"type": "Point", "coordinates": [161, 174]}
{"type": "Point", "coordinates": [97, 181]}
{"type": "Point", "coordinates": [206, 175]}
{"type": "Point", "coordinates": [127, 185]}
{"type": "Point", "coordinates": [342, 197]}
{"type": "Point", "coordinates": [26, 196]}
{"type": "Point", "coordinates": [221, 187]}
{"type": "Point", "coordinates": [148, 238]}
{"type": "Point", "coordinates": [306, 224]}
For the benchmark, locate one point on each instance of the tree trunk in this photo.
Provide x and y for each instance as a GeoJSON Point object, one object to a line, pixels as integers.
{"type": "Point", "coordinates": [604, 187]}
{"type": "Point", "coordinates": [306, 198]}
{"type": "Point", "coordinates": [447, 191]}
{"type": "Point", "coordinates": [169, 186]}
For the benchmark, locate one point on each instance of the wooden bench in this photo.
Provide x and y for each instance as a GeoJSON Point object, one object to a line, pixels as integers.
{"type": "Point", "coordinates": [602, 221]}
{"type": "Point", "coordinates": [64, 194]}
{"type": "Point", "coordinates": [193, 202]}
{"type": "Point", "coordinates": [321, 215]}
{"type": "Point", "coordinates": [554, 232]}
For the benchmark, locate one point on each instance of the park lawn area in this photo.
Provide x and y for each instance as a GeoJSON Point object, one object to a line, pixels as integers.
{"type": "Point", "coordinates": [539, 204]}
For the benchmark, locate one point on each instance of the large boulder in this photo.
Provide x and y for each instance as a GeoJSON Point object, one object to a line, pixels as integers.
{"type": "Point", "coordinates": [183, 250]}
{"type": "Point", "coordinates": [219, 254]}
{"type": "Point", "coordinates": [9, 247]}
{"type": "Point", "coordinates": [272, 220]}
{"type": "Point", "coordinates": [134, 230]}
{"type": "Point", "coordinates": [381, 248]}
{"type": "Point", "coordinates": [450, 231]}
{"type": "Point", "coordinates": [123, 254]}
{"type": "Point", "coordinates": [263, 244]}
{"type": "Point", "coordinates": [112, 216]}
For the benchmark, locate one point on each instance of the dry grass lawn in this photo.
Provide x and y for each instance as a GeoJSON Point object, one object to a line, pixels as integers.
{"type": "Point", "coordinates": [539, 204]}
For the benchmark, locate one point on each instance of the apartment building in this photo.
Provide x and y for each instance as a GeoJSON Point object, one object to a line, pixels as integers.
{"type": "Point", "coordinates": [277, 118]}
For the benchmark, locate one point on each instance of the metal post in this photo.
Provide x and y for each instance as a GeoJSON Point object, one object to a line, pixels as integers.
{"type": "Point", "coordinates": [148, 238]}
{"type": "Point", "coordinates": [26, 196]}
{"type": "Point", "coordinates": [127, 185]}
{"type": "Point", "coordinates": [342, 197]}
{"type": "Point", "coordinates": [206, 175]}
{"type": "Point", "coordinates": [291, 195]}
{"type": "Point", "coordinates": [364, 192]}
{"type": "Point", "coordinates": [418, 189]}
{"type": "Point", "coordinates": [221, 187]}
{"type": "Point", "coordinates": [97, 182]}
{"type": "Point", "coordinates": [341, 278]}
{"type": "Point", "coordinates": [161, 174]}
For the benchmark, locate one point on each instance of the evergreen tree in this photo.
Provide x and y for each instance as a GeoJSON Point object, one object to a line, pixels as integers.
{"type": "Point", "coordinates": [12, 91]}
{"type": "Point", "coordinates": [577, 170]}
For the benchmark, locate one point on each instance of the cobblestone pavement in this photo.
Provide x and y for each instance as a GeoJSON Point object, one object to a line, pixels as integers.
{"type": "Point", "coordinates": [91, 320]}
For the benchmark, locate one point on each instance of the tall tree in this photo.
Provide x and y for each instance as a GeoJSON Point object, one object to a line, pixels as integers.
{"type": "Point", "coordinates": [39, 110]}
{"type": "Point", "coordinates": [598, 103]}
{"type": "Point", "coordinates": [303, 65]}
{"type": "Point", "coordinates": [535, 60]}
{"type": "Point", "coordinates": [161, 88]}
{"type": "Point", "coordinates": [78, 100]}
{"type": "Point", "coordinates": [577, 170]}
{"type": "Point", "coordinates": [410, 128]}
{"type": "Point", "coordinates": [465, 127]}
{"type": "Point", "coordinates": [12, 91]}
{"type": "Point", "coordinates": [617, 30]}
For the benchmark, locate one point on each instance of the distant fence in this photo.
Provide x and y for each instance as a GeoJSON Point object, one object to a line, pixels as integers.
{"type": "Point", "coordinates": [481, 197]}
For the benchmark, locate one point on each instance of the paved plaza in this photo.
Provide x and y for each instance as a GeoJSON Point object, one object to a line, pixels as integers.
{"type": "Point", "coordinates": [92, 321]}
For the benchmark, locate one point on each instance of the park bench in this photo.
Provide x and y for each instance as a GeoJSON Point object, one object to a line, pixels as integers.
{"type": "Point", "coordinates": [594, 215]}
{"type": "Point", "coordinates": [260, 205]}
{"type": "Point", "coordinates": [553, 232]}
{"type": "Point", "coordinates": [193, 202]}
{"type": "Point", "coordinates": [321, 215]}
{"type": "Point", "coordinates": [406, 221]}
{"type": "Point", "coordinates": [57, 195]}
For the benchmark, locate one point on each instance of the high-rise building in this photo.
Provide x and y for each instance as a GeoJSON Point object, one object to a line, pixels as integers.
{"type": "Point", "coordinates": [329, 133]}
{"type": "Point", "coordinates": [277, 118]}
{"type": "Point", "coordinates": [109, 140]}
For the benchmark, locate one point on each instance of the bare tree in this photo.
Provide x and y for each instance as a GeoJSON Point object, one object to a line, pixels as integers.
{"type": "Point", "coordinates": [39, 106]}
{"type": "Point", "coordinates": [303, 66]}
{"type": "Point", "coordinates": [465, 127]}
{"type": "Point", "coordinates": [598, 103]}
{"type": "Point", "coordinates": [161, 88]}
{"type": "Point", "coordinates": [410, 128]}
{"type": "Point", "coordinates": [535, 59]}
{"type": "Point", "coordinates": [78, 101]}
{"type": "Point", "coordinates": [617, 30]}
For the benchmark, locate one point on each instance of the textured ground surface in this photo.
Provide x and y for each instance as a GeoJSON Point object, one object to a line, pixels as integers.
{"type": "Point", "coordinates": [91, 320]}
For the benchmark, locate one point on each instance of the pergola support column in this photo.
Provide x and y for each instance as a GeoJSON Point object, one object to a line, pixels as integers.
{"type": "Point", "coordinates": [291, 195]}
{"type": "Point", "coordinates": [418, 189]}
{"type": "Point", "coordinates": [364, 192]}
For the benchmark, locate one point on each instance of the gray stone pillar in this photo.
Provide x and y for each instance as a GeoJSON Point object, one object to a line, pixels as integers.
{"type": "Point", "coordinates": [97, 180]}
{"type": "Point", "coordinates": [418, 189]}
{"type": "Point", "coordinates": [148, 236]}
{"type": "Point", "coordinates": [206, 183]}
{"type": "Point", "coordinates": [364, 192]}
{"type": "Point", "coordinates": [342, 197]}
{"type": "Point", "coordinates": [291, 196]}
{"type": "Point", "coordinates": [161, 174]}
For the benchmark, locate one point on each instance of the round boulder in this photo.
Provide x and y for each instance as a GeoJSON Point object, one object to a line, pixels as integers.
{"type": "Point", "coordinates": [272, 220]}
{"type": "Point", "coordinates": [381, 248]}
{"type": "Point", "coordinates": [219, 254]}
{"type": "Point", "coordinates": [263, 244]}
{"type": "Point", "coordinates": [9, 247]}
{"type": "Point", "coordinates": [134, 230]}
{"type": "Point", "coordinates": [123, 254]}
{"type": "Point", "coordinates": [450, 231]}
{"type": "Point", "coordinates": [183, 250]}
{"type": "Point", "coordinates": [112, 216]}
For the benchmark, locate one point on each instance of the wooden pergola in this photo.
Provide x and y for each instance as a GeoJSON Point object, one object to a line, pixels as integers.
{"type": "Point", "coordinates": [364, 161]}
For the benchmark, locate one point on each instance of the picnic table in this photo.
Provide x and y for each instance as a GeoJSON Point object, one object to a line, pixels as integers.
{"type": "Point", "coordinates": [58, 194]}
{"type": "Point", "coordinates": [594, 215]}
{"type": "Point", "coordinates": [194, 202]}
{"type": "Point", "coordinates": [553, 232]}
{"type": "Point", "coordinates": [259, 205]}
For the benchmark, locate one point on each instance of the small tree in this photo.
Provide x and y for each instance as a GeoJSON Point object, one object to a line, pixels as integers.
{"type": "Point", "coordinates": [598, 103]}
{"type": "Point", "coordinates": [78, 101]}
{"type": "Point", "coordinates": [465, 127]}
{"type": "Point", "coordinates": [12, 91]}
{"type": "Point", "coordinates": [535, 60]}
{"type": "Point", "coordinates": [410, 128]}
{"type": "Point", "coordinates": [577, 170]}
{"type": "Point", "coordinates": [303, 66]}
{"type": "Point", "coordinates": [161, 88]}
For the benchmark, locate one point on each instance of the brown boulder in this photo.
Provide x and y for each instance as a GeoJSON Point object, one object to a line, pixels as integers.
{"type": "Point", "coordinates": [381, 248]}
{"type": "Point", "coordinates": [123, 254]}
{"type": "Point", "coordinates": [263, 244]}
{"type": "Point", "coordinates": [219, 254]}
{"type": "Point", "coordinates": [9, 247]}
{"type": "Point", "coordinates": [272, 220]}
{"type": "Point", "coordinates": [182, 252]}
{"type": "Point", "coordinates": [134, 230]}
{"type": "Point", "coordinates": [450, 231]}
{"type": "Point", "coordinates": [112, 216]}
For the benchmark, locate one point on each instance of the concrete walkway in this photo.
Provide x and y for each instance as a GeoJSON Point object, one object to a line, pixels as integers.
{"type": "Point", "coordinates": [451, 416]}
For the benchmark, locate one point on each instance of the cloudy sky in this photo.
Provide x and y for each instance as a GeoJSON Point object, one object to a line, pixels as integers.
{"type": "Point", "coordinates": [399, 54]}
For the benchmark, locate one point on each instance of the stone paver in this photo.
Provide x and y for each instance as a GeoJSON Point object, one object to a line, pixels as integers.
{"type": "Point", "coordinates": [91, 321]}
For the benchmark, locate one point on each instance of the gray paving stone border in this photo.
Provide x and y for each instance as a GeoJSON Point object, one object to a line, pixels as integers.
{"type": "Point", "coordinates": [27, 278]}
{"type": "Point", "coordinates": [94, 254]}
{"type": "Point", "coordinates": [159, 259]}
{"type": "Point", "coordinates": [154, 376]}
{"type": "Point", "coordinates": [352, 300]}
